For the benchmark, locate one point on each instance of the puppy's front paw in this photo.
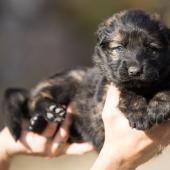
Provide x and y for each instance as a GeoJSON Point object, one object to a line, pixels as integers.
{"type": "Point", "coordinates": [37, 124]}
{"type": "Point", "coordinates": [139, 121]}
{"type": "Point", "coordinates": [158, 114]}
{"type": "Point", "coordinates": [159, 107]}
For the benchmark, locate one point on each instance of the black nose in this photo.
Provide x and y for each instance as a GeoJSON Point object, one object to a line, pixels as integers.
{"type": "Point", "coordinates": [134, 71]}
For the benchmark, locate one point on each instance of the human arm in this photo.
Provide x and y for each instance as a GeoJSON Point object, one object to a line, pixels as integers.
{"type": "Point", "coordinates": [126, 148]}
{"type": "Point", "coordinates": [40, 144]}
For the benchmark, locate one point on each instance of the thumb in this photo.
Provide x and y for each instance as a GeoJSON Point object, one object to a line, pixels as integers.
{"type": "Point", "coordinates": [111, 102]}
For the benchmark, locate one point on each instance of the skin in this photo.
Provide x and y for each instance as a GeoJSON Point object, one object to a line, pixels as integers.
{"type": "Point", "coordinates": [40, 144]}
{"type": "Point", "coordinates": [124, 148]}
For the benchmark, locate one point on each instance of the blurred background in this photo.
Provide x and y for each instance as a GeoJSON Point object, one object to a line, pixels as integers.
{"type": "Point", "coordinates": [40, 37]}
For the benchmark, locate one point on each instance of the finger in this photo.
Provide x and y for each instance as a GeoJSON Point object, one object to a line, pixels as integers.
{"type": "Point", "coordinates": [61, 136]}
{"type": "Point", "coordinates": [78, 148]}
{"type": "Point", "coordinates": [112, 101]}
{"type": "Point", "coordinates": [34, 141]}
{"type": "Point", "coordinates": [50, 130]}
{"type": "Point", "coordinates": [67, 121]}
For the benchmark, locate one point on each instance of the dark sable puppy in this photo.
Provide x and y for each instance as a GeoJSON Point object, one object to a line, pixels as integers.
{"type": "Point", "coordinates": [132, 51]}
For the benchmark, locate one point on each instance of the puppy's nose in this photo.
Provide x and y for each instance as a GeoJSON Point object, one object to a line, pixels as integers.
{"type": "Point", "coordinates": [134, 71]}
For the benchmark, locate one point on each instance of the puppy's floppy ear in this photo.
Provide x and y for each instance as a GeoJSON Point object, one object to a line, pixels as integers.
{"type": "Point", "coordinates": [168, 38]}
{"type": "Point", "coordinates": [101, 33]}
{"type": "Point", "coordinates": [104, 29]}
{"type": "Point", "coordinates": [166, 33]}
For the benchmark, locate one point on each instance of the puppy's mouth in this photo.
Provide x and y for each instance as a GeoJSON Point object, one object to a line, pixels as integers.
{"type": "Point", "coordinates": [143, 78]}
{"type": "Point", "coordinates": [147, 74]}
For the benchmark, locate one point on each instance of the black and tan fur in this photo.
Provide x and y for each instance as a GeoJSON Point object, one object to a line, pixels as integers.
{"type": "Point", "coordinates": [132, 51]}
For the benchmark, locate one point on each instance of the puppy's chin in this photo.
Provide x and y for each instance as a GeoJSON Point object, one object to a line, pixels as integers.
{"type": "Point", "coordinates": [133, 84]}
{"type": "Point", "coordinates": [142, 78]}
{"type": "Point", "coordinates": [148, 75]}
{"type": "Point", "coordinates": [141, 81]}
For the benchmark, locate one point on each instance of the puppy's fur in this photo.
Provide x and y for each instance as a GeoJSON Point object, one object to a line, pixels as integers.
{"type": "Point", "coordinates": [132, 51]}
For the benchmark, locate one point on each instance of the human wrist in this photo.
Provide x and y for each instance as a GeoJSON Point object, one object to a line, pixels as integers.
{"type": "Point", "coordinates": [8, 146]}
{"type": "Point", "coordinates": [111, 159]}
{"type": "Point", "coordinates": [116, 159]}
{"type": "Point", "coordinates": [125, 155]}
{"type": "Point", "coordinates": [4, 159]}
{"type": "Point", "coordinates": [4, 156]}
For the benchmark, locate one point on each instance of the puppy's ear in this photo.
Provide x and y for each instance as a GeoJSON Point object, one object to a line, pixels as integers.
{"type": "Point", "coordinates": [166, 33]}
{"type": "Point", "coordinates": [101, 33]}
{"type": "Point", "coordinates": [168, 36]}
{"type": "Point", "coordinates": [104, 29]}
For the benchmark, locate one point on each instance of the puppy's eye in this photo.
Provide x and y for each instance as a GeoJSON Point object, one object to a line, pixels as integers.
{"type": "Point", "coordinates": [117, 48]}
{"type": "Point", "coordinates": [153, 49]}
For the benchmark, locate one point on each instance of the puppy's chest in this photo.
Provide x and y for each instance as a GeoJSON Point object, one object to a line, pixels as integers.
{"type": "Point", "coordinates": [90, 99]}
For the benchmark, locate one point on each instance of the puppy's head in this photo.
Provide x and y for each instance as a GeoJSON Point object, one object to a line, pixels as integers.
{"type": "Point", "coordinates": [132, 46]}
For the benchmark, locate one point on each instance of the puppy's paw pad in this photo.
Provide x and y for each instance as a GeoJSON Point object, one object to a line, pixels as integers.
{"type": "Point", "coordinates": [33, 120]}
{"type": "Point", "coordinates": [56, 113]}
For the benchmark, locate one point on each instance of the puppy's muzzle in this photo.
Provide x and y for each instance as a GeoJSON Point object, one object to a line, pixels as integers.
{"type": "Point", "coordinates": [134, 71]}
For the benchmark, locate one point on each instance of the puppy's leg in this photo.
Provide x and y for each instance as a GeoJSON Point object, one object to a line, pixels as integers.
{"type": "Point", "coordinates": [37, 124]}
{"type": "Point", "coordinates": [135, 109]}
{"type": "Point", "coordinates": [139, 121]}
{"type": "Point", "coordinates": [159, 107]}
{"type": "Point", "coordinates": [49, 108]}
{"type": "Point", "coordinates": [51, 97]}
{"type": "Point", "coordinates": [14, 108]}
{"type": "Point", "coordinates": [45, 110]}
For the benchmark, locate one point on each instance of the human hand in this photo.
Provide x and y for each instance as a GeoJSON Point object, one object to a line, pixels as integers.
{"type": "Point", "coordinates": [126, 148]}
{"type": "Point", "coordinates": [42, 144]}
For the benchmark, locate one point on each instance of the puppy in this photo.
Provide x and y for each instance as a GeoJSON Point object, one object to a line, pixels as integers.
{"type": "Point", "coordinates": [132, 51]}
